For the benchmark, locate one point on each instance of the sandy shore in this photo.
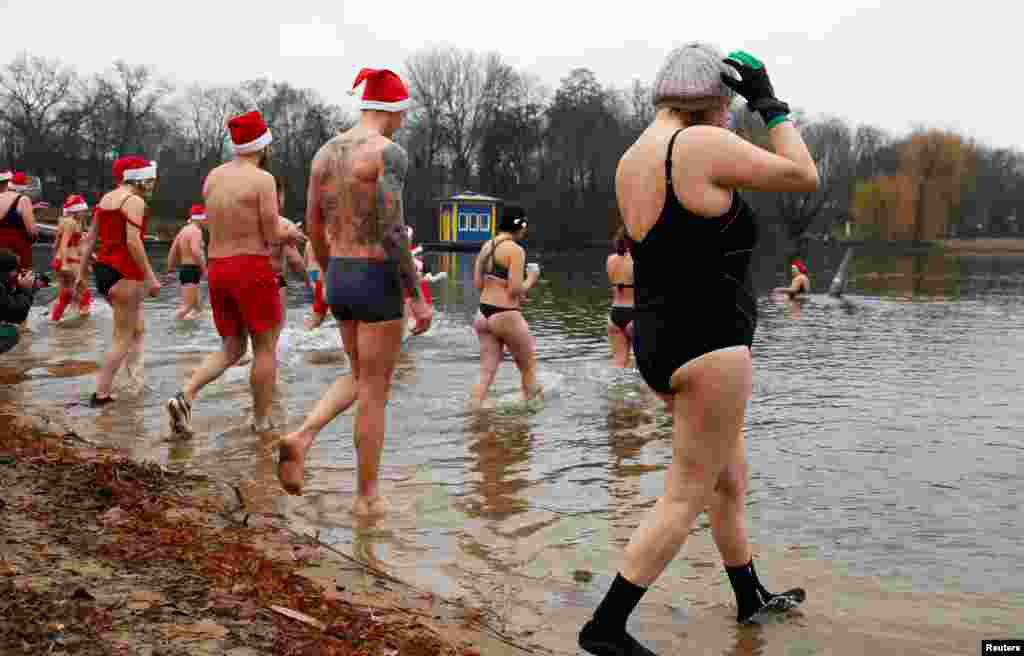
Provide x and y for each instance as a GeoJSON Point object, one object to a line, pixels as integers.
{"type": "Point", "coordinates": [103, 555]}
{"type": "Point", "coordinates": [983, 246]}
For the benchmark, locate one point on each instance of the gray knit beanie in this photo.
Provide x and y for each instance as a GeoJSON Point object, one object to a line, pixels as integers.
{"type": "Point", "coordinates": [690, 79]}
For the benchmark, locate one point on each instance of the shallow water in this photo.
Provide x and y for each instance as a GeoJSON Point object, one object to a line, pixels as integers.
{"type": "Point", "coordinates": [883, 436]}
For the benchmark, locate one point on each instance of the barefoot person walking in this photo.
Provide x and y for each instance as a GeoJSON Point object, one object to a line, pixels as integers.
{"type": "Point", "coordinates": [619, 267]}
{"type": "Point", "coordinates": [187, 255]}
{"type": "Point", "coordinates": [124, 275]}
{"type": "Point", "coordinates": [676, 188]}
{"type": "Point", "coordinates": [356, 224]}
{"type": "Point", "coordinates": [499, 324]}
{"type": "Point", "coordinates": [242, 216]}
{"type": "Point", "coordinates": [68, 259]}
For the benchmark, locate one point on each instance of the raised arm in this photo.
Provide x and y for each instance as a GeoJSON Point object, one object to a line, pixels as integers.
{"type": "Point", "coordinates": [391, 215]}
{"type": "Point", "coordinates": [739, 164]}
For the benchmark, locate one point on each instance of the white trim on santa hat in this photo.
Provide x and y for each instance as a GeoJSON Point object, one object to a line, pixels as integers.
{"type": "Point", "coordinates": [80, 207]}
{"type": "Point", "coordinates": [146, 173]}
{"type": "Point", "coordinates": [199, 217]}
{"type": "Point", "coordinates": [381, 106]}
{"type": "Point", "coordinates": [261, 141]}
{"type": "Point", "coordinates": [6, 176]}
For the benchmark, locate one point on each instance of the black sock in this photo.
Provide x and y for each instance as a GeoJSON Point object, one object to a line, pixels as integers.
{"type": "Point", "coordinates": [751, 596]}
{"type": "Point", "coordinates": [617, 605]}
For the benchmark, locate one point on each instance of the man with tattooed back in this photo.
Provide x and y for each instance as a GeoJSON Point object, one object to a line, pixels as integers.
{"type": "Point", "coordinates": [355, 221]}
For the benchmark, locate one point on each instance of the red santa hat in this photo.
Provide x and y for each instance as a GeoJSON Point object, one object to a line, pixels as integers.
{"type": "Point", "coordinates": [75, 203]}
{"type": "Point", "coordinates": [384, 91]}
{"type": "Point", "coordinates": [800, 266]}
{"type": "Point", "coordinates": [5, 176]}
{"type": "Point", "coordinates": [198, 213]}
{"type": "Point", "coordinates": [132, 168]}
{"type": "Point", "coordinates": [249, 133]}
{"type": "Point", "coordinates": [19, 180]}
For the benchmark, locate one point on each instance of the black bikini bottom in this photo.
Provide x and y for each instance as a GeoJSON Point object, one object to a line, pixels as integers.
{"type": "Point", "coordinates": [490, 310]}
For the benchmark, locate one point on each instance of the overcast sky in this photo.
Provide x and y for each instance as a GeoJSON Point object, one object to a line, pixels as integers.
{"type": "Point", "coordinates": [889, 64]}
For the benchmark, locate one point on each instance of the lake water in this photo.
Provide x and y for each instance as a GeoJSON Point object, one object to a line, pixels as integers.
{"type": "Point", "coordinates": [884, 436]}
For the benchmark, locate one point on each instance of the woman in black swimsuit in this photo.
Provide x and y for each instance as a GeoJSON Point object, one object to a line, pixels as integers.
{"type": "Point", "coordinates": [498, 274]}
{"type": "Point", "coordinates": [620, 316]}
{"type": "Point", "coordinates": [696, 312]}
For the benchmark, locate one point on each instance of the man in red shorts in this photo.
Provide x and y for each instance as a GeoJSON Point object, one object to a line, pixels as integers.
{"type": "Point", "coordinates": [242, 218]}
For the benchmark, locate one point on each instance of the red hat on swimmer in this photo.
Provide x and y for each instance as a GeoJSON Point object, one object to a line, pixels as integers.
{"type": "Point", "coordinates": [75, 203]}
{"type": "Point", "coordinates": [800, 266]}
{"type": "Point", "coordinates": [249, 133]}
{"type": "Point", "coordinates": [384, 91]}
{"type": "Point", "coordinates": [197, 213]}
{"type": "Point", "coordinates": [132, 168]}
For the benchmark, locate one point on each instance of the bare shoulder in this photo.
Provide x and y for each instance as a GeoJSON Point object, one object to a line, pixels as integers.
{"type": "Point", "coordinates": [511, 248]}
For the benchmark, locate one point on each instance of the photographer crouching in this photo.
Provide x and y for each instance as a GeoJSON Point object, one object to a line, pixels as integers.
{"type": "Point", "coordinates": [17, 292]}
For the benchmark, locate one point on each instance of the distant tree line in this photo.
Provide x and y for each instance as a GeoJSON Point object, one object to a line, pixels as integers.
{"type": "Point", "coordinates": [480, 124]}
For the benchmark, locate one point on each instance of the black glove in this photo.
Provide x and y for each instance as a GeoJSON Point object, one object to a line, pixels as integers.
{"type": "Point", "coordinates": [755, 87]}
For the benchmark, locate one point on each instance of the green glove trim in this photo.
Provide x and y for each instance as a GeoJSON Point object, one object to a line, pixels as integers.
{"type": "Point", "coordinates": [746, 58]}
{"type": "Point", "coordinates": [782, 118]}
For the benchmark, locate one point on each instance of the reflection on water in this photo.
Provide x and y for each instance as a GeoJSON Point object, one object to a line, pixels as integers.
{"type": "Point", "coordinates": [883, 440]}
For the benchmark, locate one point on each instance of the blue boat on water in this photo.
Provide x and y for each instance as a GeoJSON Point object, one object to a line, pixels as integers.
{"type": "Point", "coordinates": [465, 222]}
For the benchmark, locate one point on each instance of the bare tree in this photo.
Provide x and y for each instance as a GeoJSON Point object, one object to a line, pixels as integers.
{"type": "Point", "coordinates": [33, 91]}
{"type": "Point", "coordinates": [204, 112]}
{"type": "Point", "coordinates": [830, 143]}
{"type": "Point", "coordinates": [135, 96]}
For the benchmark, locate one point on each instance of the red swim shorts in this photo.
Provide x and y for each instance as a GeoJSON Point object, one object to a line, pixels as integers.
{"type": "Point", "coordinates": [244, 295]}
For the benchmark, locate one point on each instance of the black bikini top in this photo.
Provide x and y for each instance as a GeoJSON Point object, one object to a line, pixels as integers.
{"type": "Point", "coordinates": [498, 270]}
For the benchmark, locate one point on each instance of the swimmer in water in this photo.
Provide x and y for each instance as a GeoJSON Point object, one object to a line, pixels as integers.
{"type": "Point", "coordinates": [68, 260]}
{"type": "Point", "coordinates": [356, 221]}
{"type": "Point", "coordinates": [677, 192]}
{"type": "Point", "coordinates": [243, 220]}
{"type": "Point", "coordinates": [124, 275]}
{"type": "Point", "coordinates": [499, 275]}
{"type": "Point", "coordinates": [187, 254]}
{"type": "Point", "coordinates": [801, 283]}
{"type": "Point", "coordinates": [620, 316]}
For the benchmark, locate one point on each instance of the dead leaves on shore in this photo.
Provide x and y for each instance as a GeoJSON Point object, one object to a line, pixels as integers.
{"type": "Point", "coordinates": [135, 516]}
